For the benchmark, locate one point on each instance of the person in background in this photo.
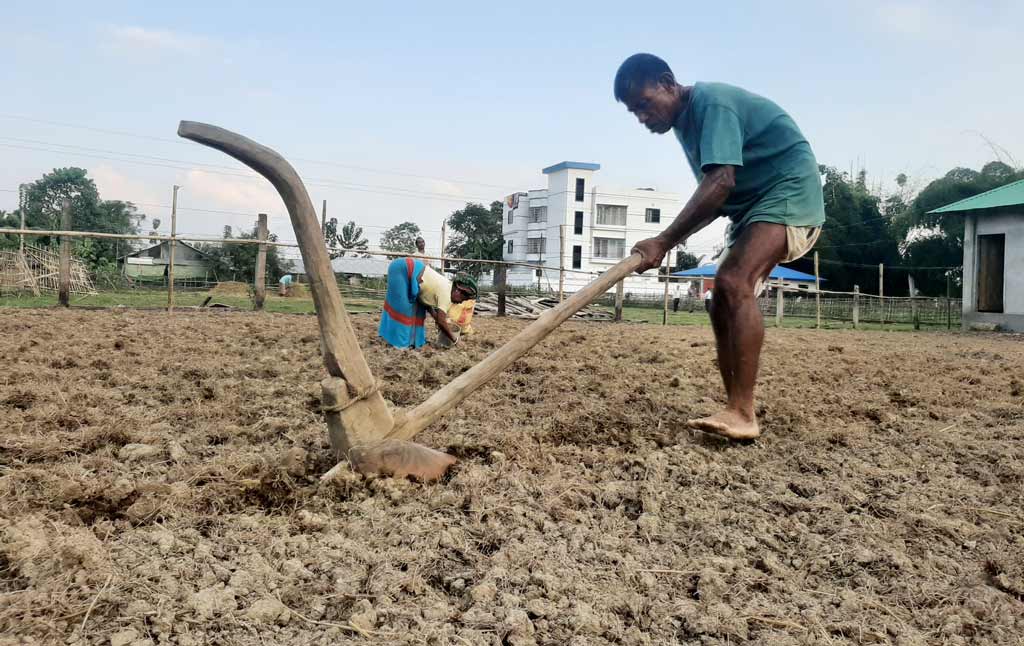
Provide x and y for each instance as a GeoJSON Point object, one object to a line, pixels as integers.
{"type": "Point", "coordinates": [284, 284]}
{"type": "Point", "coordinates": [415, 290]}
{"type": "Point", "coordinates": [707, 300]}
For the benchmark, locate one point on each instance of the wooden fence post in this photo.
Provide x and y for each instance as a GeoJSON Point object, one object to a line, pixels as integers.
{"type": "Point", "coordinates": [561, 263]}
{"type": "Point", "coordinates": [668, 277]}
{"type": "Point", "coordinates": [913, 302]}
{"type": "Point", "coordinates": [173, 244]}
{"type": "Point", "coordinates": [259, 286]}
{"type": "Point", "coordinates": [620, 289]}
{"type": "Point", "coordinates": [817, 292]}
{"type": "Point", "coordinates": [949, 306]}
{"type": "Point", "coordinates": [64, 290]}
{"type": "Point", "coordinates": [779, 305]}
{"type": "Point", "coordinates": [881, 294]}
{"type": "Point", "coordinates": [501, 278]}
{"type": "Point", "coordinates": [856, 306]}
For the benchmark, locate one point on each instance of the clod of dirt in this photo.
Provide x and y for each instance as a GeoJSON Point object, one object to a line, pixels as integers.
{"type": "Point", "coordinates": [213, 601]}
{"type": "Point", "coordinates": [124, 637]}
{"type": "Point", "coordinates": [483, 593]}
{"type": "Point", "coordinates": [177, 452]}
{"type": "Point", "coordinates": [519, 629]}
{"type": "Point", "coordinates": [363, 616]}
{"type": "Point", "coordinates": [137, 452]}
{"type": "Point", "coordinates": [1016, 388]}
{"type": "Point", "coordinates": [269, 611]}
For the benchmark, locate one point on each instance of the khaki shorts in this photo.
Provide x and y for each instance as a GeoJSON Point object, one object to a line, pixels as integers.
{"type": "Point", "coordinates": [799, 240]}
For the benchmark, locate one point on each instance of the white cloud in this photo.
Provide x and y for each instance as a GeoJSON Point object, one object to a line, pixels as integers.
{"type": "Point", "coordinates": [220, 192]}
{"type": "Point", "coordinates": [114, 185]}
{"type": "Point", "coordinates": [135, 38]}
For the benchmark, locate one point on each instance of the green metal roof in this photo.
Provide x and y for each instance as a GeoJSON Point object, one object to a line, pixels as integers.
{"type": "Point", "coordinates": [1009, 195]}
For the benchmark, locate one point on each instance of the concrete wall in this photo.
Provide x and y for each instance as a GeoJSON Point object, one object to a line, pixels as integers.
{"type": "Point", "coordinates": [1012, 225]}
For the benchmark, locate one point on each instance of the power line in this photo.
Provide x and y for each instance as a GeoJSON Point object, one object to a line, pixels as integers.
{"type": "Point", "coordinates": [395, 191]}
{"type": "Point", "coordinates": [179, 142]}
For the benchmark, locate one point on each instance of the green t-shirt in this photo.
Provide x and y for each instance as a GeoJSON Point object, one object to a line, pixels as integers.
{"type": "Point", "coordinates": [777, 178]}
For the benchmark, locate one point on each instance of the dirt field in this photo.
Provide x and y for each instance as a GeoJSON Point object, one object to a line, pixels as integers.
{"type": "Point", "coordinates": [159, 485]}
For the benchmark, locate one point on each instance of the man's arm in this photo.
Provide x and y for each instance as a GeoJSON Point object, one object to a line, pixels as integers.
{"type": "Point", "coordinates": [700, 210]}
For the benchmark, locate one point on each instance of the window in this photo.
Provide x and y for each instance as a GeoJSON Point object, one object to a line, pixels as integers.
{"type": "Point", "coordinates": [538, 214]}
{"type": "Point", "coordinates": [611, 214]}
{"type": "Point", "coordinates": [652, 216]}
{"type": "Point", "coordinates": [509, 246]}
{"type": "Point", "coordinates": [510, 216]}
{"type": "Point", "coordinates": [577, 256]}
{"type": "Point", "coordinates": [535, 245]}
{"type": "Point", "coordinates": [611, 248]}
{"type": "Point", "coordinates": [991, 257]}
{"type": "Point", "coordinates": [579, 189]}
{"type": "Point", "coordinates": [577, 224]}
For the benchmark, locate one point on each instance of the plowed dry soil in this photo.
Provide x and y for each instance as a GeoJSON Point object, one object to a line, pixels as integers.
{"type": "Point", "coordinates": [159, 484]}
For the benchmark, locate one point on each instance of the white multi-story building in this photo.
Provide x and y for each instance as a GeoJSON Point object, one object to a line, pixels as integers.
{"type": "Point", "coordinates": [600, 225]}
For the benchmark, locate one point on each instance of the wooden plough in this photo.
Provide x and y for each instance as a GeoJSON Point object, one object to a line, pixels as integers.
{"type": "Point", "coordinates": [362, 429]}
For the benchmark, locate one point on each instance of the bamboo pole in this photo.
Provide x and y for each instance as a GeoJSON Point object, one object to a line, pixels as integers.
{"type": "Point", "coordinates": [288, 245]}
{"type": "Point", "coordinates": [620, 288]}
{"type": "Point", "coordinates": [668, 274]}
{"type": "Point", "coordinates": [260, 276]}
{"type": "Point", "coordinates": [817, 292]}
{"type": "Point", "coordinates": [65, 256]}
{"type": "Point", "coordinates": [949, 306]}
{"type": "Point", "coordinates": [174, 243]}
{"type": "Point", "coordinates": [778, 304]}
{"type": "Point", "coordinates": [457, 390]}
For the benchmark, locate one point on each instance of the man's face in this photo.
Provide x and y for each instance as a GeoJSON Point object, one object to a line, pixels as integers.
{"type": "Point", "coordinates": [656, 106]}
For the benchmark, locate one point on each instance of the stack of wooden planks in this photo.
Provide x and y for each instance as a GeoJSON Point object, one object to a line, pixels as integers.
{"type": "Point", "coordinates": [532, 307]}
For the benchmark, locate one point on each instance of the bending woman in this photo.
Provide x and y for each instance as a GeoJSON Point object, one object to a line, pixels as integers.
{"type": "Point", "coordinates": [414, 290]}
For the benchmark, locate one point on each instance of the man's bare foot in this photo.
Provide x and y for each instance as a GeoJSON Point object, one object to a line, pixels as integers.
{"type": "Point", "coordinates": [729, 424]}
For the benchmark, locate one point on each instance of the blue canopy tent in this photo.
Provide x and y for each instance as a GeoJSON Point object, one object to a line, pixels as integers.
{"type": "Point", "coordinates": [785, 273]}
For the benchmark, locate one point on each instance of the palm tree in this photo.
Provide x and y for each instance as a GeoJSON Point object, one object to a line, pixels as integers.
{"type": "Point", "coordinates": [350, 239]}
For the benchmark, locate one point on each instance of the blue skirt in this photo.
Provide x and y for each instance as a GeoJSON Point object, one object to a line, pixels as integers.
{"type": "Point", "coordinates": [402, 321]}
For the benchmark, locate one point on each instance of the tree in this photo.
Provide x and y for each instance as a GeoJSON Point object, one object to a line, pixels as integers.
{"type": "Point", "coordinates": [401, 238]}
{"type": "Point", "coordinates": [857, 237]}
{"type": "Point", "coordinates": [238, 261]}
{"type": "Point", "coordinates": [349, 240]}
{"type": "Point", "coordinates": [936, 240]}
{"type": "Point", "coordinates": [44, 201]}
{"type": "Point", "coordinates": [476, 233]}
{"type": "Point", "coordinates": [685, 260]}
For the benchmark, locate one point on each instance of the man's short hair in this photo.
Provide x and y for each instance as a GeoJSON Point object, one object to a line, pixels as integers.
{"type": "Point", "coordinates": [637, 72]}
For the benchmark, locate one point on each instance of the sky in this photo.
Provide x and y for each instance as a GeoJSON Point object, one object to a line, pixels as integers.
{"type": "Point", "coordinates": [404, 111]}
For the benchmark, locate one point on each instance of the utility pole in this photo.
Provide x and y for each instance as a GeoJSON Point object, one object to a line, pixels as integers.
{"type": "Point", "coordinates": [22, 202]}
{"type": "Point", "coordinates": [170, 262]}
{"type": "Point", "coordinates": [561, 263]}
{"type": "Point", "coordinates": [323, 220]}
